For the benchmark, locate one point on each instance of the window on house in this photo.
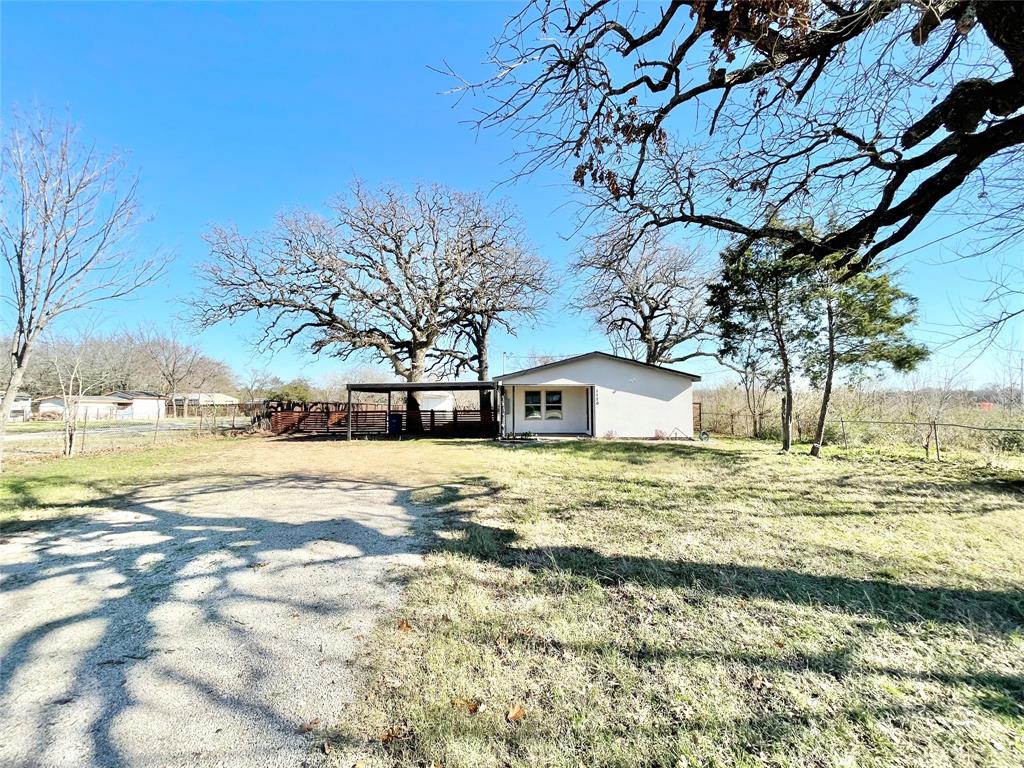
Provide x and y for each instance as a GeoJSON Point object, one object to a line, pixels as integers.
{"type": "Point", "coordinates": [531, 401]}
{"type": "Point", "coordinates": [552, 405]}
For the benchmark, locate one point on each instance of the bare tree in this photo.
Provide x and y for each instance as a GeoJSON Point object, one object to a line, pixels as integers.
{"type": "Point", "coordinates": [384, 274]}
{"type": "Point", "coordinates": [79, 369]}
{"type": "Point", "coordinates": [884, 110]}
{"type": "Point", "coordinates": [505, 283]}
{"type": "Point", "coordinates": [648, 296]}
{"type": "Point", "coordinates": [66, 212]}
{"type": "Point", "coordinates": [255, 383]}
{"type": "Point", "coordinates": [174, 362]}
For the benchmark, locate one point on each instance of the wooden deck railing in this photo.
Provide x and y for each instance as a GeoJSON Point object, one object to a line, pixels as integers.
{"type": "Point", "coordinates": [458, 423]}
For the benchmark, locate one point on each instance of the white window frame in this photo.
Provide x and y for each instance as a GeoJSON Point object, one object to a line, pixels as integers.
{"type": "Point", "coordinates": [541, 406]}
{"type": "Point", "coordinates": [559, 408]}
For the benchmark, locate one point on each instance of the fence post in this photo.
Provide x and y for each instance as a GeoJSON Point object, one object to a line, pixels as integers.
{"type": "Point", "coordinates": [85, 424]}
{"type": "Point", "coordinates": [935, 432]}
{"type": "Point", "coordinates": [157, 427]}
{"type": "Point", "coordinates": [431, 419]}
{"type": "Point", "coordinates": [732, 423]}
{"type": "Point", "coordinates": [846, 443]}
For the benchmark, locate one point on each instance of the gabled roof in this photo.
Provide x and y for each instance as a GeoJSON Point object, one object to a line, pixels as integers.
{"type": "Point", "coordinates": [90, 399]}
{"type": "Point", "coordinates": [136, 394]}
{"type": "Point", "coordinates": [607, 355]}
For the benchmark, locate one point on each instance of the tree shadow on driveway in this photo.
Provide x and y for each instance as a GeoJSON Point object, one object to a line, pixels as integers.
{"type": "Point", "coordinates": [201, 621]}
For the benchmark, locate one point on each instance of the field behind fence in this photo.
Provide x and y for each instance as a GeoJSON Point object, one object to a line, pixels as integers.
{"type": "Point", "coordinates": [930, 436]}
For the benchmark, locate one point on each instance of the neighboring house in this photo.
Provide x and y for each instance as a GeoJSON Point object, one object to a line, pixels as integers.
{"type": "Point", "coordinates": [192, 399]}
{"type": "Point", "coordinates": [21, 409]}
{"type": "Point", "coordinates": [89, 406]}
{"type": "Point", "coordinates": [436, 401]}
{"type": "Point", "coordinates": [598, 394]}
{"type": "Point", "coordinates": [145, 405]}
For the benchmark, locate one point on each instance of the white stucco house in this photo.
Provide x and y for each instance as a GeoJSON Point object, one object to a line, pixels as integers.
{"type": "Point", "coordinates": [598, 394]}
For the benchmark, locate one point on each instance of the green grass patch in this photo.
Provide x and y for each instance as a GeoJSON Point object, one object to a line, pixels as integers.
{"type": "Point", "coordinates": [28, 427]}
{"type": "Point", "coordinates": [33, 492]}
{"type": "Point", "coordinates": [685, 605]}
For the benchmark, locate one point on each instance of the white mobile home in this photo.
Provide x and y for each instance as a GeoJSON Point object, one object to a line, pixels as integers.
{"type": "Point", "coordinates": [89, 406]}
{"type": "Point", "coordinates": [596, 395]}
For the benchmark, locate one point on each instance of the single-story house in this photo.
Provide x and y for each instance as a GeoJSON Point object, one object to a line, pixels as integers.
{"type": "Point", "coordinates": [145, 405]}
{"type": "Point", "coordinates": [193, 399]}
{"type": "Point", "coordinates": [89, 406]}
{"type": "Point", "coordinates": [592, 395]}
{"type": "Point", "coordinates": [598, 394]}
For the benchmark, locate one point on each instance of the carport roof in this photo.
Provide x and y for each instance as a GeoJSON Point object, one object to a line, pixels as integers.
{"type": "Point", "coordinates": [420, 386]}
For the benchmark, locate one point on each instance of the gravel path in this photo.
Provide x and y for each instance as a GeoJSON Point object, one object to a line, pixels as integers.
{"type": "Point", "coordinates": [199, 623]}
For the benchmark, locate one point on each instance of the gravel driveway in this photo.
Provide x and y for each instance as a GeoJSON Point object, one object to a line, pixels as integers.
{"type": "Point", "coordinates": [208, 622]}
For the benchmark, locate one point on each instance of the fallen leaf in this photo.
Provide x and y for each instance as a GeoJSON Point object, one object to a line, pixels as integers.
{"type": "Point", "coordinates": [446, 618]}
{"type": "Point", "coordinates": [307, 727]}
{"type": "Point", "coordinates": [759, 683]}
{"type": "Point", "coordinates": [470, 705]}
{"type": "Point", "coordinates": [389, 735]}
{"type": "Point", "coordinates": [404, 626]}
{"type": "Point", "coordinates": [515, 713]}
{"type": "Point", "coordinates": [327, 747]}
{"type": "Point", "coordinates": [359, 764]}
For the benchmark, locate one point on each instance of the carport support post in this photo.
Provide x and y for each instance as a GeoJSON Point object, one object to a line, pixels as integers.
{"type": "Point", "coordinates": [348, 415]}
{"type": "Point", "coordinates": [387, 420]}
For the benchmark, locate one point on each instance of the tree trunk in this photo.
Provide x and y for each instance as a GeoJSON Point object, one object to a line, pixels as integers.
{"type": "Point", "coordinates": [787, 410]}
{"type": "Point", "coordinates": [826, 392]}
{"type": "Point", "coordinates": [13, 383]}
{"type": "Point", "coordinates": [483, 372]}
{"type": "Point", "coordinates": [826, 396]}
{"type": "Point", "coordinates": [417, 367]}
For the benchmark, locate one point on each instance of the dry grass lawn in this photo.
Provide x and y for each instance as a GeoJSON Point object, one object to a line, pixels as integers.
{"type": "Point", "coordinates": [615, 604]}
{"type": "Point", "coordinates": [641, 604]}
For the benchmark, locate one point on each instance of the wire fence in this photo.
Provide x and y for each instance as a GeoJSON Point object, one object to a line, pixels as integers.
{"type": "Point", "coordinates": [932, 436]}
{"type": "Point", "coordinates": [91, 435]}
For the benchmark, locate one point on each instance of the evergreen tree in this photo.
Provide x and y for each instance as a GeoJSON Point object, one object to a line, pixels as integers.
{"type": "Point", "coordinates": [759, 303]}
{"type": "Point", "coordinates": [860, 323]}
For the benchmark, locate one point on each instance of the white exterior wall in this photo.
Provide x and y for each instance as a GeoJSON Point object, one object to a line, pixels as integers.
{"type": "Point", "coordinates": [85, 410]}
{"type": "Point", "coordinates": [574, 411]}
{"type": "Point", "coordinates": [631, 400]}
{"type": "Point", "coordinates": [144, 409]}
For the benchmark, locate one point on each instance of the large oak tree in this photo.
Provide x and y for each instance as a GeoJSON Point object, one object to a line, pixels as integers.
{"type": "Point", "coordinates": [415, 280]}
{"type": "Point", "coordinates": [735, 116]}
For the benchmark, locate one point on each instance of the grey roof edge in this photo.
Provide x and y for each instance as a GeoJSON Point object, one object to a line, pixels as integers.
{"type": "Point", "coordinates": [420, 386]}
{"type": "Point", "coordinates": [597, 353]}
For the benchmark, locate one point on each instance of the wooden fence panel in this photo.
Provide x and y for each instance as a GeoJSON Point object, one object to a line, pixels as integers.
{"type": "Point", "coordinates": [469, 423]}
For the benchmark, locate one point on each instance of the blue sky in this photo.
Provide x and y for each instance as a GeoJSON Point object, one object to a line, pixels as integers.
{"type": "Point", "coordinates": [232, 112]}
